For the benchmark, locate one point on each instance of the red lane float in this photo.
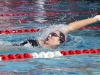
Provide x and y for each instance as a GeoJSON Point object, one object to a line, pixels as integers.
{"type": "Point", "coordinates": [37, 30]}
{"type": "Point", "coordinates": [19, 31]}
{"type": "Point", "coordinates": [90, 28]}
{"type": "Point", "coordinates": [49, 54]}
{"type": "Point", "coordinates": [48, 13]}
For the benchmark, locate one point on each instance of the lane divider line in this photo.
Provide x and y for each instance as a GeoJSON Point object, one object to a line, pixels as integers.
{"type": "Point", "coordinates": [49, 54]}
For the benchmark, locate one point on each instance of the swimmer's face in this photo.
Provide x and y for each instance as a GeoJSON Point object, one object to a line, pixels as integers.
{"type": "Point", "coordinates": [53, 38]}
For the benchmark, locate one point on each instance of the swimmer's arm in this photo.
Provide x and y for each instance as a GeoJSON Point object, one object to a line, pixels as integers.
{"type": "Point", "coordinates": [78, 24]}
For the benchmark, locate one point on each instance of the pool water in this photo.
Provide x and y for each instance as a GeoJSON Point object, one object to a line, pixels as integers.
{"type": "Point", "coordinates": [44, 13]}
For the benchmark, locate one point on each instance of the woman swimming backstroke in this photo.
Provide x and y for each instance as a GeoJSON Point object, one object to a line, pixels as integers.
{"type": "Point", "coordinates": [57, 36]}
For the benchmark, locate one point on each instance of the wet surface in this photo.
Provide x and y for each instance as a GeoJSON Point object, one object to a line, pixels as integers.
{"type": "Point", "coordinates": [22, 14]}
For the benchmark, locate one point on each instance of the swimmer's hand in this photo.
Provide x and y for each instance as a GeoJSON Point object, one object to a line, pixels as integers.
{"type": "Point", "coordinates": [97, 17]}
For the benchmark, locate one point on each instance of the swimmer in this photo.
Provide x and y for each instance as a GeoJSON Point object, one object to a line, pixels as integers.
{"type": "Point", "coordinates": [58, 35]}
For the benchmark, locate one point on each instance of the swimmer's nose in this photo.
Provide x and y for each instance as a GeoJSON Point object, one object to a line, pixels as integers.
{"type": "Point", "coordinates": [49, 35]}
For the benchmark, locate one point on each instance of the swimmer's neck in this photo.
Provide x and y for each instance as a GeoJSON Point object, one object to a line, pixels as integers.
{"type": "Point", "coordinates": [43, 43]}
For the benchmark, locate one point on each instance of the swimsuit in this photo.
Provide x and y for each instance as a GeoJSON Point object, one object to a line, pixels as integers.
{"type": "Point", "coordinates": [31, 42]}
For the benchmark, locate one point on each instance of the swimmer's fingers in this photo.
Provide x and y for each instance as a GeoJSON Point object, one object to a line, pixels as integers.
{"type": "Point", "coordinates": [97, 17]}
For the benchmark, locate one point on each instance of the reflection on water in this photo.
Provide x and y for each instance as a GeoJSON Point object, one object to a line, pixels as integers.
{"type": "Point", "coordinates": [36, 10]}
{"type": "Point", "coordinates": [42, 11]}
{"type": "Point", "coordinates": [30, 13]}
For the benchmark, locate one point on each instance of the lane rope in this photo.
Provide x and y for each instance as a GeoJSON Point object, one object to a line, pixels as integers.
{"type": "Point", "coordinates": [90, 28]}
{"type": "Point", "coordinates": [49, 54]}
{"type": "Point", "coordinates": [47, 13]}
{"type": "Point", "coordinates": [26, 2]}
{"type": "Point", "coordinates": [33, 30]}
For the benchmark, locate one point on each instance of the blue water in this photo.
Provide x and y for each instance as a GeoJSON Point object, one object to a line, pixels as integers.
{"type": "Point", "coordinates": [80, 39]}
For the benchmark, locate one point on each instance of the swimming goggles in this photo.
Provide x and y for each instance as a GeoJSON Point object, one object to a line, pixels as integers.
{"type": "Point", "coordinates": [61, 37]}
